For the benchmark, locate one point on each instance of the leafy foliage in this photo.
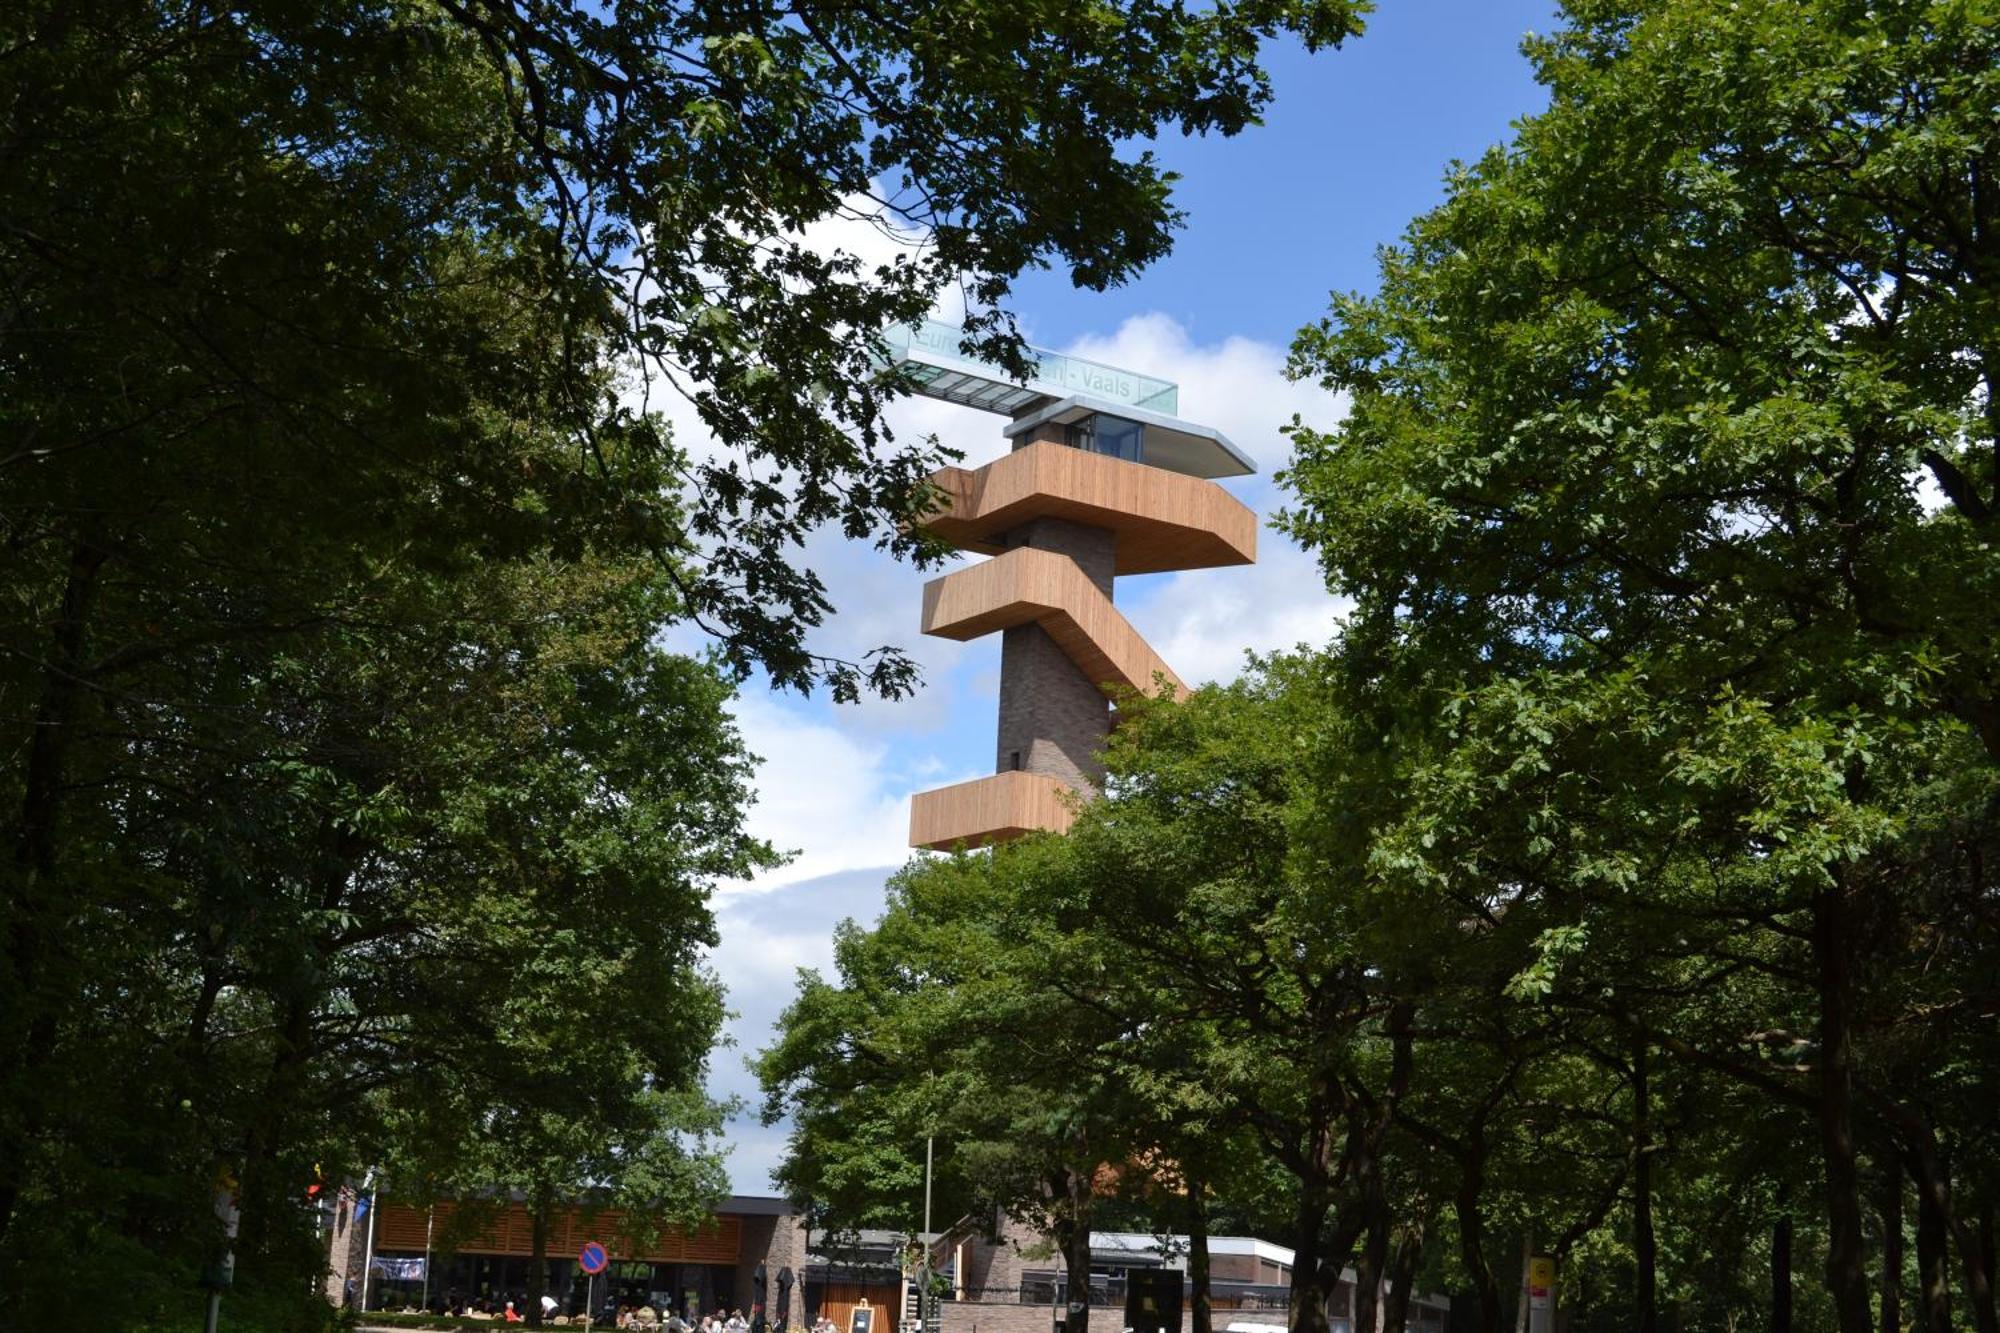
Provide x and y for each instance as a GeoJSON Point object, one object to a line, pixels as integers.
{"type": "Point", "coordinates": [354, 811]}
{"type": "Point", "coordinates": [1666, 502]}
{"type": "Point", "coordinates": [1618, 885]}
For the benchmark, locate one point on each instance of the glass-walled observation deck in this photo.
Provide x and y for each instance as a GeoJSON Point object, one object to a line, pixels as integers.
{"type": "Point", "coordinates": [1083, 403]}
{"type": "Point", "coordinates": [930, 351]}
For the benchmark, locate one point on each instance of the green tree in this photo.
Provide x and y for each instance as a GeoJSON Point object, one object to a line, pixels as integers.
{"type": "Point", "coordinates": [328, 333]}
{"type": "Point", "coordinates": [464, 840]}
{"type": "Point", "coordinates": [1634, 501]}
{"type": "Point", "coordinates": [974, 1014]}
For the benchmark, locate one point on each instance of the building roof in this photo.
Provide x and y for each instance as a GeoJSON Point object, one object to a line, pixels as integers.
{"type": "Point", "coordinates": [1146, 1243]}
{"type": "Point", "coordinates": [757, 1205]}
{"type": "Point", "coordinates": [1172, 445]}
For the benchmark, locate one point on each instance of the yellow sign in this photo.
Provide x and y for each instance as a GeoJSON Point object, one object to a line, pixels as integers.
{"type": "Point", "coordinates": [1541, 1279]}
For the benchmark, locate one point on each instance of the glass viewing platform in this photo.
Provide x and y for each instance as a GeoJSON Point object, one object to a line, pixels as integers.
{"type": "Point", "coordinates": [930, 352]}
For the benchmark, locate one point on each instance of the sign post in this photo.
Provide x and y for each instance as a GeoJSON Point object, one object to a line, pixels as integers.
{"type": "Point", "coordinates": [222, 1274]}
{"type": "Point", "coordinates": [1541, 1293]}
{"type": "Point", "coordinates": [591, 1259]}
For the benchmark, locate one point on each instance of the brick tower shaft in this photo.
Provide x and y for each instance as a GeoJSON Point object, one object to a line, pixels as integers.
{"type": "Point", "coordinates": [1054, 718]}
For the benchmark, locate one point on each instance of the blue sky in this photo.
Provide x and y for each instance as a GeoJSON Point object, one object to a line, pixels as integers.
{"type": "Point", "coordinates": [1356, 143]}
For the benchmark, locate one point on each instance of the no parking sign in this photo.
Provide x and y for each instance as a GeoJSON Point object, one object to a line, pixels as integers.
{"type": "Point", "coordinates": [592, 1258]}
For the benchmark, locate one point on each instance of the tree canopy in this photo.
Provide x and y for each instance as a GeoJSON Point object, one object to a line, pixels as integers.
{"type": "Point", "coordinates": [1617, 886]}
{"type": "Point", "coordinates": [1666, 502]}
{"type": "Point", "coordinates": [345, 768]}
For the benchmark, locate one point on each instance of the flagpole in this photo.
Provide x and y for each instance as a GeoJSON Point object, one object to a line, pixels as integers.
{"type": "Point", "coordinates": [368, 1252]}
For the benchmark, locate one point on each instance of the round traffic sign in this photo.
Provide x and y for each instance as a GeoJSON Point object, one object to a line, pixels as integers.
{"type": "Point", "coordinates": [592, 1258]}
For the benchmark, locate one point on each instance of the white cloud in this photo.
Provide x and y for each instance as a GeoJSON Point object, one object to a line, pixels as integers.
{"type": "Point", "coordinates": [766, 939]}
{"type": "Point", "coordinates": [835, 798]}
{"type": "Point", "coordinates": [1204, 621]}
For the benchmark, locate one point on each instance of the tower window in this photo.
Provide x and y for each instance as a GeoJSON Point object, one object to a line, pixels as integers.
{"type": "Point", "coordinates": [1102, 433]}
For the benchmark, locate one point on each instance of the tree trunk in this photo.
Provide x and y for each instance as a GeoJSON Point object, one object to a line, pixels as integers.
{"type": "Point", "coordinates": [1986, 1232]}
{"type": "Point", "coordinates": [1348, 1224]}
{"type": "Point", "coordinates": [1305, 1309]}
{"type": "Point", "coordinates": [1200, 1316]}
{"type": "Point", "coordinates": [1781, 1275]}
{"type": "Point", "coordinates": [1317, 1257]}
{"type": "Point", "coordinates": [1933, 1261]}
{"type": "Point", "coordinates": [1846, 1255]}
{"type": "Point", "coordinates": [1521, 1287]}
{"type": "Point", "coordinates": [1369, 1268]}
{"type": "Point", "coordinates": [1975, 1252]}
{"type": "Point", "coordinates": [1403, 1261]}
{"type": "Point", "coordinates": [1645, 1249]}
{"type": "Point", "coordinates": [1982, 1245]}
{"type": "Point", "coordinates": [296, 1045]}
{"type": "Point", "coordinates": [538, 1265]}
{"type": "Point", "coordinates": [1934, 1201]}
{"type": "Point", "coordinates": [1892, 1250]}
{"type": "Point", "coordinates": [1365, 1144]}
{"type": "Point", "coordinates": [264, 1200]}
{"type": "Point", "coordinates": [1472, 1242]}
{"type": "Point", "coordinates": [43, 784]}
{"type": "Point", "coordinates": [1075, 1235]}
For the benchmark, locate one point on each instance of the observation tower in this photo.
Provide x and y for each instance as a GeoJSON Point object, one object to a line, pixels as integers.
{"type": "Point", "coordinates": [1102, 479]}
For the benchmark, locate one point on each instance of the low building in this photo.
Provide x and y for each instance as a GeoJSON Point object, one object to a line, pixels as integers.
{"type": "Point", "coordinates": [1249, 1287]}
{"type": "Point", "coordinates": [436, 1257]}
{"type": "Point", "coordinates": [439, 1257]}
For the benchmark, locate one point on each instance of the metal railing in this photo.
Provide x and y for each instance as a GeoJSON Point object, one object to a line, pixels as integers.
{"type": "Point", "coordinates": [1057, 374]}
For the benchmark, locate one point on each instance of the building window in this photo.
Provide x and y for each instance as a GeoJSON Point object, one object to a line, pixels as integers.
{"type": "Point", "coordinates": [1038, 1287]}
{"type": "Point", "coordinates": [1102, 433]}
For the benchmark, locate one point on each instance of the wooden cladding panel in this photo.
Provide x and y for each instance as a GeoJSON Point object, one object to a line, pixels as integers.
{"type": "Point", "coordinates": [840, 1299]}
{"type": "Point", "coordinates": [400, 1227]}
{"type": "Point", "coordinates": [1163, 520]}
{"type": "Point", "coordinates": [989, 810]}
{"type": "Point", "coordinates": [1031, 586]}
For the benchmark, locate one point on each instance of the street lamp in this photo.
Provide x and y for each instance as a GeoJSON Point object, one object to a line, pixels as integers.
{"type": "Point", "coordinates": [924, 1261]}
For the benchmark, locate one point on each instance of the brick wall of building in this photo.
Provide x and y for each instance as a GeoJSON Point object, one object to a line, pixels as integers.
{"type": "Point", "coordinates": [1093, 549]}
{"type": "Point", "coordinates": [1052, 717]}
{"type": "Point", "coordinates": [996, 1317]}
{"type": "Point", "coordinates": [986, 1269]}
{"type": "Point", "coordinates": [778, 1243]}
{"type": "Point", "coordinates": [346, 1246]}
{"type": "Point", "coordinates": [992, 1317]}
{"type": "Point", "coordinates": [1052, 720]}
{"type": "Point", "coordinates": [1234, 1268]}
{"type": "Point", "coordinates": [1247, 1268]}
{"type": "Point", "coordinates": [992, 1265]}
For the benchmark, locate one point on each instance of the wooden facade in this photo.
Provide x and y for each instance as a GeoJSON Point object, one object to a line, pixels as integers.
{"type": "Point", "coordinates": [1061, 523]}
{"type": "Point", "coordinates": [837, 1300]}
{"type": "Point", "coordinates": [1028, 586]}
{"type": "Point", "coordinates": [993, 809]}
{"type": "Point", "coordinates": [1163, 520]}
{"type": "Point", "coordinates": [509, 1231]}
